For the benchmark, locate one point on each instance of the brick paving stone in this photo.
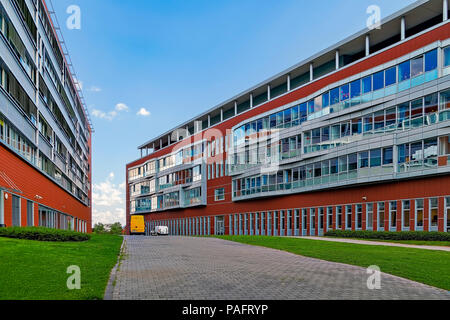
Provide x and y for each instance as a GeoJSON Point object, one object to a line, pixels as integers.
{"type": "Point", "coordinates": [173, 268]}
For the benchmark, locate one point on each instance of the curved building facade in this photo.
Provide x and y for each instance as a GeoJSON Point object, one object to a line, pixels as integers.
{"type": "Point", "coordinates": [354, 138]}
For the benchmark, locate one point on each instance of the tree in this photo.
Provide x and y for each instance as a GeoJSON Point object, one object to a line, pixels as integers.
{"type": "Point", "coordinates": [116, 228]}
{"type": "Point", "coordinates": [99, 228]}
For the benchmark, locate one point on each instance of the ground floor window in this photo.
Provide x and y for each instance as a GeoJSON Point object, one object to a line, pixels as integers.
{"type": "Point", "coordinates": [330, 217]}
{"type": "Point", "coordinates": [369, 216]}
{"type": "Point", "coordinates": [447, 213]}
{"type": "Point", "coordinates": [405, 214]}
{"type": "Point", "coordinates": [348, 217]}
{"type": "Point", "coordinates": [419, 214]}
{"type": "Point", "coordinates": [359, 216]}
{"type": "Point", "coordinates": [339, 217]}
{"type": "Point", "coordinates": [433, 214]}
{"type": "Point", "coordinates": [321, 217]}
{"type": "Point", "coordinates": [393, 214]}
{"type": "Point", "coordinates": [380, 215]}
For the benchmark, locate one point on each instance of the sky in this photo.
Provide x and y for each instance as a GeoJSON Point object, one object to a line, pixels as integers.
{"type": "Point", "coordinates": [145, 66]}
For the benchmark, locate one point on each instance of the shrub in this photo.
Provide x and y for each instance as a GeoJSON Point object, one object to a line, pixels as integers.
{"type": "Point", "coordinates": [385, 235]}
{"type": "Point", "coordinates": [43, 234]}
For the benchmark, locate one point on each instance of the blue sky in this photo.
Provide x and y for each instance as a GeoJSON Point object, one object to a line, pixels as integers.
{"type": "Point", "coordinates": [176, 59]}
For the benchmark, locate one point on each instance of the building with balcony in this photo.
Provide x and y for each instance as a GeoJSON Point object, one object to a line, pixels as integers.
{"type": "Point", "coordinates": [45, 132]}
{"type": "Point", "coordinates": [355, 137]}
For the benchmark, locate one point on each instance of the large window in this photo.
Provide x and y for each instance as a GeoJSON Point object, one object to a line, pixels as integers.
{"type": "Point", "coordinates": [380, 215]}
{"type": "Point", "coordinates": [433, 214]}
{"type": "Point", "coordinates": [405, 214]}
{"type": "Point", "coordinates": [419, 214]}
{"type": "Point", "coordinates": [393, 214]}
{"type": "Point", "coordinates": [447, 57]}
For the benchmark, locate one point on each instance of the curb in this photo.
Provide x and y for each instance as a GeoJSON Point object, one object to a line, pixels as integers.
{"type": "Point", "coordinates": [112, 276]}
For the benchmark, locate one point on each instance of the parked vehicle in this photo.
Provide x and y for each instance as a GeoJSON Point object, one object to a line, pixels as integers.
{"type": "Point", "coordinates": [137, 225]}
{"type": "Point", "coordinates": [162, 230]}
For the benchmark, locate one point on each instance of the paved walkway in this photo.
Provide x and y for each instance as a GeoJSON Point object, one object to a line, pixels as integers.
{"type": "Point", "coordinates": [209, 268]}
{"type": "Point", "coordinates": [378, 243]}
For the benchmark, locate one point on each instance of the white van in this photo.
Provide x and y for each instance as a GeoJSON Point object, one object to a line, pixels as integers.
{"type": "Point", "coordinates": [162, 231]}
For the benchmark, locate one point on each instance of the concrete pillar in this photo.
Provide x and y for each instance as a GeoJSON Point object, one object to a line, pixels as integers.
{"type": "Point", "coordinates": [337, 59]}
{"type": "Point", "coordinates": [288, 81]}
{"type": "Point", "coordinates": [445, 10]}
{"type": "Point", "coordinates": [209, 120]}
{"type": "Point", "coordinates": [367, 45]}
{"type": "Point", "coordinates": [311, 72]}
{"type": "Point", "coordinates": [2, 207]}
{"type": "Point", "coordinates": [268, 92]}
{"type": "Point", "coordinates": [403, 28]}
{"type": "Point", "coordinates": [221, 114]}
{"type": "Point", "coordinates": [235, 108]}
{"type": "Point", "coordinates": [251, 100]}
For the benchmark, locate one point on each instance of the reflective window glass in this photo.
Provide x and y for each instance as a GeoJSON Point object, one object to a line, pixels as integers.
{"type": "Point", "coordinates": [367, 84]}
{"type": "Point", "coordinates": [334, 96]}
{"type": "Point", "coordinates": [416, 67]}
{"type": "Point", "coordinates": [431, 60]}
{"type": "Point", "coordinates": [355, 89]}
{"type": "Point", "coordinates": [390, 76]}
{"type": "Point", "coordinates": [378, 80]}
{"type": "Point", "coordinates": [404, 71]}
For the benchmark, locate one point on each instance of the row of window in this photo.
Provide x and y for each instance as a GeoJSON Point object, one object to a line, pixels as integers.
{"type": "Point", "coordinates": [419, 155]}
{"type": "Point", "coordinates": [189, 197]}
{"type": "Point", "coordinates": [408, 115]}
{"type": "Point", "coordinates": [403, 215]}
{"type": "Point", "coordinates": [378, 216]}
{"type": "Point", "coordinates": [350, 94]}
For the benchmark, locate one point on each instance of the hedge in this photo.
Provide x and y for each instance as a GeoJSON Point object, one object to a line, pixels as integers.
{"type": "Point", "coordinates": [43, 234]}
{"type": "Point", "coordinates": [385, 235]}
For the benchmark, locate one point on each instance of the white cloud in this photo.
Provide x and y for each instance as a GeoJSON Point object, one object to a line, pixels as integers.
{"type": "Point", "coordinates": [104, 115]}
{"type": "Point", "coordinates": [111, 114]}
{"type": "Point", "coordinates": [95, 89]}
{"type": "Point", "coordinates": [108, 201]}
{"type": "Point", "coordinates": [144, 112]}
{"type": "Point", "coordinates": [122, 107]}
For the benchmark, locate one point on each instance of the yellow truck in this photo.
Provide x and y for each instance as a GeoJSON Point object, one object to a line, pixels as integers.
{"type": "Point", "coordinates": [137, 225]}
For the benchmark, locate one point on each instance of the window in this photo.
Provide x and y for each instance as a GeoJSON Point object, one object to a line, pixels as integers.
{"type": "Point", "coordinates": [406, 213]}
{"type": "Point", "coordinates": [433, 213]}
{"type": "Point", "coordinates": [380, 214]}
{"type": "Point", "coordinates": [219, 194]}
{"type": "Point", "coordinates": [447, 57]}
{"type": "Point", "coordinates": [348, 217]}
{"type": "Point", "coordinates": [375, 158]}
{"type": "Point", "coordinates": [378, 80]}
{"type": "Point", "coordinates": [431, 60]}
{"type": "Point", "coordinates": [404, 71]}
{"type": "Point", "coordinates": [355, 89]}
{"type": "Point", "coordinates": [419, 213]}
{"type": "Point", "coordinates": [363, 159]}
{"type": "Point", "coordinates": [339, 217]}
{"type": "Point", "coordinates": [367, 84]}
{"type": "Point", "coordinates": [334, 96]}
{"type": "Point", "coordinates": [359, 216]}
{"type": "Point", "coordinates": [387, 156]}
{"type": "Point", "coordinates": [390, 76]}
{"type": "Point", "coordinates": [393, 214]}
{"type": "Point", "coordinates": [416, 67]}
{"type": "Point", "coordinates": [345, 92]}
{"type": "Point", "coordinates": [369, 216]}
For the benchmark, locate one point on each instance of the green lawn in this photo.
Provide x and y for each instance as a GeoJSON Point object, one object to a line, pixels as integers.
{"type": "Point", "coordinates": [413, 242]}
{"type": "Point", "coordinates": [426, 266]}
{"type": "Point", "coordinates": [32, 270]}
